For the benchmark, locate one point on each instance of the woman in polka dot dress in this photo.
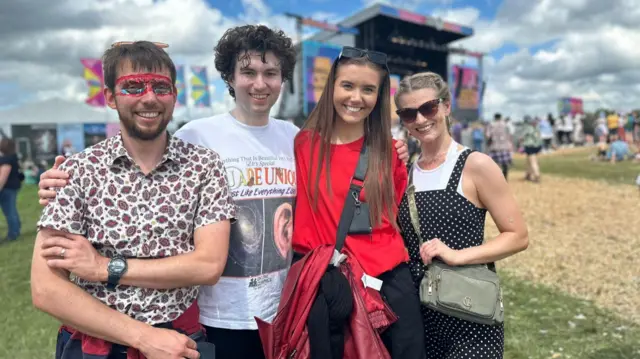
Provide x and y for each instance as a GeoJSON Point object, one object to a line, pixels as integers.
{"type": "Point", "coordinates": [455, 187]}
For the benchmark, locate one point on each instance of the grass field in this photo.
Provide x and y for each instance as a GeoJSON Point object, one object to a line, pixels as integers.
{"type": "Point", "coordinates": [575, 163]}
{"type": "Point", "coordinates": [542, 321]}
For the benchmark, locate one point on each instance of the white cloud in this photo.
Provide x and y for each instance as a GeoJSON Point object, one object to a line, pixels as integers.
{"type": "Point", "coordinates": [566, 48]}
{"type": "Point", "coordinates": [592, 52]}
{"type": "Point", "coordinates": [44, 57]}
{"type": "Point", "coordinates": [41, 52]}
{"type": "Point", "coordinates": [256, 8]}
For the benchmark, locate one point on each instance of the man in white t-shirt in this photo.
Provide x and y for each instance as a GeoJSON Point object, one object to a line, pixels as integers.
{"type": "Point", "coordinates": [257, 151]}
{"type": "Point", "coordinates": [258, 154]}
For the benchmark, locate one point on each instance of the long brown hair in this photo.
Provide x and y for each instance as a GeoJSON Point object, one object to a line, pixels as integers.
{"type": "Point", "coordinates": [379, 189]}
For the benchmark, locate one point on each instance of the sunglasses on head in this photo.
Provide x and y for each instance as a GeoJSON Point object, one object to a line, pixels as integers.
{"type": "Point", "coordinates": [427, 109]}
{"type": "Point", "coordinates": [376, 57]}
{"type": "Point", "coordinates": [161, 45]}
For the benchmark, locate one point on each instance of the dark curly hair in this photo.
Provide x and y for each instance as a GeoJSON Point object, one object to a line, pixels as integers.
{"type": "Point", "coordinates": [237, 41]}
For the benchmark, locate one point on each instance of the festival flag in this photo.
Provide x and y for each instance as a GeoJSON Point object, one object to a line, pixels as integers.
{"type": "Point", "coordinates": [182, 94]}
{"type": "Point", "coordinates": [200, 87]}
{"type": "Point", "coordinates": [95, 80]}
{"type": "Point", "coordinates": [395, 83]}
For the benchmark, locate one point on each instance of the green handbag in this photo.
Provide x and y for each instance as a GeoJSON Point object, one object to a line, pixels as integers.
{"type": "Point", "coordinates": [470, 292]}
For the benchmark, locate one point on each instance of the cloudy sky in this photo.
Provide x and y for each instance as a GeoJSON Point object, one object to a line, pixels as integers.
{"type": "Point", "coordinates": [537, 50]}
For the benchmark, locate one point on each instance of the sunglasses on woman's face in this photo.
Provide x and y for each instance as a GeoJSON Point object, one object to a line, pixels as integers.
{"type": "Point", "coordinates": [427, 109]}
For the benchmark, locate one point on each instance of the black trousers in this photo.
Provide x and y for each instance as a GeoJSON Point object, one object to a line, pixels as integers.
{"type": "Point", "coordinates": [404, 339]}
{"type": "Point", "coordinates": [235, 344]}
{"type": "Point", "coordinates": [328, 316]}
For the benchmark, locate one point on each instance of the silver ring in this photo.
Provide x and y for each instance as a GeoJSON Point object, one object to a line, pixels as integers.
{"type": "Point", "coordinates": [62, 252]}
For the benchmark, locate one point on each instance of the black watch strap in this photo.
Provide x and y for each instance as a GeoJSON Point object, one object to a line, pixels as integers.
{"type": "Point", "coordinates": [114, 276]}
{"type": "Point", "coordinates": [112, 281]}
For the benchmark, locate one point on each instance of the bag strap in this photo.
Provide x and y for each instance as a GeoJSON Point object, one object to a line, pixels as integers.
{"type": "Point", "coordinates": [413, 209]}
{"type": "Point", "coordinates": [353, 197]}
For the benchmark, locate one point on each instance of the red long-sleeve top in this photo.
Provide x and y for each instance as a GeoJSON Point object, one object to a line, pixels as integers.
{"type": "Point", "coordinates": [378, 252]}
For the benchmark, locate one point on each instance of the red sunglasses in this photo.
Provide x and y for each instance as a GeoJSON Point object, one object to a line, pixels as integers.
{"type": "Point", "coordinates": [427, 109]}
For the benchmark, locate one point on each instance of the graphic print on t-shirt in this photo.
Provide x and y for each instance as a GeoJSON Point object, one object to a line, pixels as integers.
{"type": "Point", "coordinates": [260, 239]}
{"type": "Point", "coordinates": [263, 188]}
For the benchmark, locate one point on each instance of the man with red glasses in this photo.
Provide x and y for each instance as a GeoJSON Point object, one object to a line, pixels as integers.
{"type": "Point", "coordinates": [142, 222]}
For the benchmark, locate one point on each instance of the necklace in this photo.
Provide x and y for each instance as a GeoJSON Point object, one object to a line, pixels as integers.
{"type": "Point", "coordinates": [430, 163]}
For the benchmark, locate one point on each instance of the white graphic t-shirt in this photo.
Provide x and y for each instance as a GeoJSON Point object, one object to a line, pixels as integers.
{"type": "Point", "coordinates": [260, 166]}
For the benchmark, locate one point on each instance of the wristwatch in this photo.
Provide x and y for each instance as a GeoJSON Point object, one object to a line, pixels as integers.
{"type": "Point", "coordinates": [116, 268]}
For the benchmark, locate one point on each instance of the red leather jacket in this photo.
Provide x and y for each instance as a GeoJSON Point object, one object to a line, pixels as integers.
{"type": "Point", "coordinates": [287, 337]}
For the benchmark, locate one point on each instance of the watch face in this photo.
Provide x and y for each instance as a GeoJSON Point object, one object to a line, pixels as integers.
{"type": "Point", "coordinates": [117, 265]}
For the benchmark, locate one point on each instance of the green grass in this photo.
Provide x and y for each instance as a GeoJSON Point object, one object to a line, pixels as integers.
{"type": "Point", "coordinates": [577, 164]}
{"type": "Point", "coordinates": [540, 322]}
{"type": "Point", "coordinates": [27, 333]}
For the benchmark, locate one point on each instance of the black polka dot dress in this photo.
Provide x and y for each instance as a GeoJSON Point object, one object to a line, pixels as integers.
{"type": "Point", "coordinates": [447, 215]}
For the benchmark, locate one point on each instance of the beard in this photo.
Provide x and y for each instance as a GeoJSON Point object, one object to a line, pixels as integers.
{"type": "Point", "coordinates": [144, 134]}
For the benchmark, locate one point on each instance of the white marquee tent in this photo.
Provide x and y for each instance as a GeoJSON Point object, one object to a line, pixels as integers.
{"type": "Point", "coordinates": [56, 111]}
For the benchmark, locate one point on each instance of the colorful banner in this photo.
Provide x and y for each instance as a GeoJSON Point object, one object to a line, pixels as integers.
{"type": "Point", "coordinates": [95, 80]}
{"type": "Point", "coordinates": [112, 129]}
{"type": "Point", "coordinates": [70, 139]}
{"type": "Point", "coordinates": [317, 59]}
{"type": "Point", "coordinates": [395, 83]}
{"type": "Point", "coordinates": [180, 85]}
{"type": "Point", "coordinates": [200, 87]}
{"type": "Point", "coordinates": [465, 82]}
{"type": "Point", "coordinates": [468, 96]}
{"type": "Point", "coordinates": [570, 105]}
{"type": "Point", "coordinates": [94, 133]}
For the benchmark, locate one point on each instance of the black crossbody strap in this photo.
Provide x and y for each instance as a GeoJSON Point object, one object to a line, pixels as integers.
{"type": "Point", "coordinates": [353, 197]}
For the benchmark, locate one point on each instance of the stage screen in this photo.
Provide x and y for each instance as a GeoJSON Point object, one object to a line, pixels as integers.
{"type": "Point", "coordinates": [465, 81]}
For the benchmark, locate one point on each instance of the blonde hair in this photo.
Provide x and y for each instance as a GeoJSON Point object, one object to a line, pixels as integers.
{"type": "Point", "coordinates": [424, 80]}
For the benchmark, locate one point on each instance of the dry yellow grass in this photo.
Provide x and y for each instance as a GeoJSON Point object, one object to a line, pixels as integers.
{"type": "Point", "coordinates": [584, 239]}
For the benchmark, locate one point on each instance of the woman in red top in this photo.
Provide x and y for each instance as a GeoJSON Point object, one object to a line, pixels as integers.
{"type": "Point", "coordinates": [354, 110]}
